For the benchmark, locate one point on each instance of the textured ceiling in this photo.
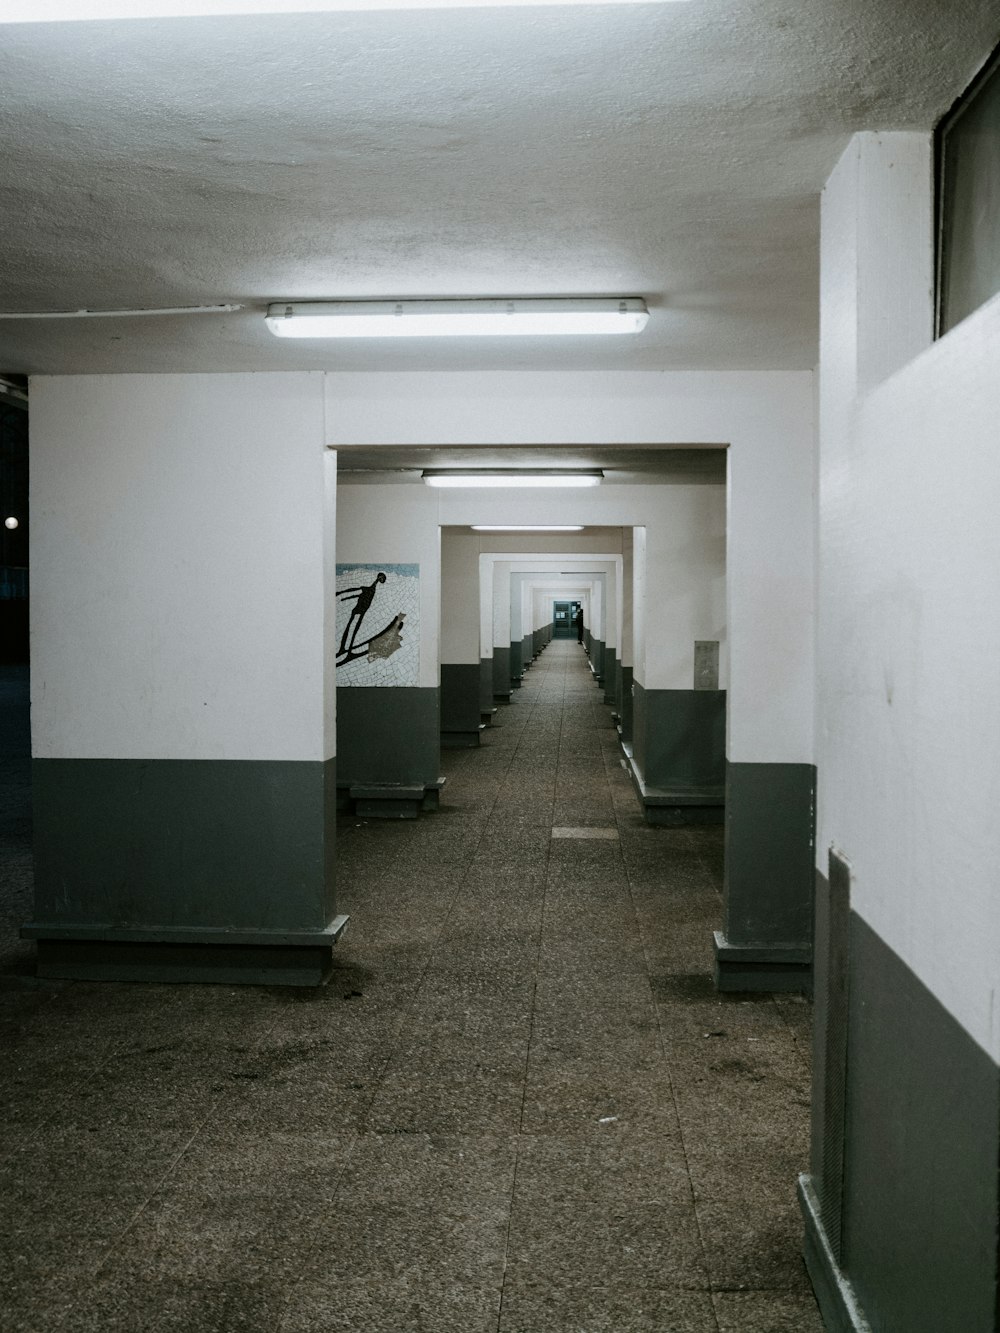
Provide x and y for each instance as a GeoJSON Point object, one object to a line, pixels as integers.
{"type": "Point", "coordinates": [674, 152]}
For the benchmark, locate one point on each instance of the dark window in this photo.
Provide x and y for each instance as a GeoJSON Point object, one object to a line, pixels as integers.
{"type": "Point", "coordinates": [968, 157]}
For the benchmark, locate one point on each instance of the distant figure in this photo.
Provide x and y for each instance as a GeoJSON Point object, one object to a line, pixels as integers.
{"type": "Point", "coordinates": [365, 595]}
{"type": "Point", "coordinates": [579, 624]}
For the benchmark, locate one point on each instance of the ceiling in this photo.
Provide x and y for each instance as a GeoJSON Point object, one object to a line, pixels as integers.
{"type": "Point", "coordinates": [670, 151]}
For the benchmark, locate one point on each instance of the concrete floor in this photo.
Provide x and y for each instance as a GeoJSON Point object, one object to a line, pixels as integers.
{"type": "Point", "coordinates": [519, 1105]}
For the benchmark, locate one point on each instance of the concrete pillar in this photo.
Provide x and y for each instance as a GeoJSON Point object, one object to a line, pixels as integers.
{"type": "Point", "coordinates": [461, 723]}
{"type": "Point", "coordinates": [388, 705]}
{"type": "Point", "coordinates": [612, 628]}
{"type": "Point", "coordinates": [501, 631]}
{"type": "Point", "coordinates": [487, 706]}
{"type": "Point", "coordinates": [626, 638]}
{"type": "Point", "coordinates": [182, 681]}
{"type": "Point", "coordinates": [901, 1203]}
{"type": "Point", "coordinates": [520, 655]}
{"type": "Point", "coordinates": [678, 749]}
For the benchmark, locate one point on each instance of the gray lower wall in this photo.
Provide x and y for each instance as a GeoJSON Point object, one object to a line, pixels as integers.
{"type": "Point", "coordinates": [486, 685]}
{"type": "Point", "coordinates": [679, 737]}
{"type": "Point", "coordinates": [460, 702]}
{"type": "Point", "coordinates": [501, 672]}
{"type": "Point", "coordinates": [625, 704]}
{"type": "Point", "coordinates": [388, 734]}
{"type": "Point", "coordinates": [237, 844]}
{"type": "Point", "coordinates": [515, 656]}
{"type": "Point", "coordinates": [612, 680]}
{"type": "Point", "coordinates": [920, 1156]}
{"type": "Point", "coordinates": [597, 656]}
{"type": "Point", "coordinates": [769, 856]}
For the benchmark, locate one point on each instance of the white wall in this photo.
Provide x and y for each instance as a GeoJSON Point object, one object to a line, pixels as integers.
{"type": "Point", "coordinates": [177, 567]}
{"type": "Point", "coordinates": [684, 586]}
{"type": "Point", "coordinates": [768, 421]}
{"type": "Point", "coordinates": [501, 603]}
{"type": "Point", "coordinates": [330, 636]}
{"type": "Point", "coordinates": [625, 619]}
{"type": "Point", "coordinates": [909, 706]}
{"type": "Point", "coordinates": [638, 603]}
{"type": "Point", "coordinates": [395, 524]}
{"type": "Point", "coordinates": [459, 596]}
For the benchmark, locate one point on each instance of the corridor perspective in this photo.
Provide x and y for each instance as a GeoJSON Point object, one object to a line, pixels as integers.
{"type": "Point", "coordinates": [519, 1104]}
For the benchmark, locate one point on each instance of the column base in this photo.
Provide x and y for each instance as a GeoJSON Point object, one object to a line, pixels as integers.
{"type": "Point", "coordinates": [674, 807]}
{"type": "Point", "coordinates": [835, 1296]}
{"type": "Point", "coordinates": [762, 967]}
{"type": "Point", "coordinates": [461, 740]}
{"type": "Point", "coordinates": [390, 800]}
{"type": "Point", "coordinates": [223, 957]}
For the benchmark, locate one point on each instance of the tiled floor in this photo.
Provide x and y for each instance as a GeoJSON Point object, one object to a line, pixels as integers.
{"type": "Point", "coordinates": [519, 1105]}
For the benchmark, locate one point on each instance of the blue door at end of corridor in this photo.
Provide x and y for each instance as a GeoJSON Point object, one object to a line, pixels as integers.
{"type": "Point", "coordinates": [564, 619]}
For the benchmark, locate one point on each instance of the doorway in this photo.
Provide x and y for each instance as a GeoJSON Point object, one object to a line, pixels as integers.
{"type": "Point", "coordinates": [564, 619]}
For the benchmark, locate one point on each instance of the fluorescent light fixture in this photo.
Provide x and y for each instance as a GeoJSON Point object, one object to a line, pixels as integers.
{"type": "Point", "coordinates": [121, 314]}
{"type": "Point", "coordinates": [56, 11]}
{"type": "Point", "coordinates": [526, 527]}
{"type": "Point", "coordinates": [503, 477]}
{"type": "Point", "coordinates": [449, 319]}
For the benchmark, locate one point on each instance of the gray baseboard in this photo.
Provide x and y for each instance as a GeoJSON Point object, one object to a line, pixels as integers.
{"type": "Point", "coordinates": [501, 673]}
{"type": "Point", "coordinates": [462, 740]}
{"type": "Point", "coordinates": [903, 1201]}
{"type": "Point", "coordinates": [390, 800]}
{"type": "Point", "coordinates": [388, 734]}
{"type": "Point", "coordinates": [460, 705]}
{"type": "Point", "coordinates": [485, 687]}
{"type": "Point", "coordinates": [747, 967]}
{"type": "Point", "coordinates": [172, 844]}
{"type": "Point", "coordinates": [515, 655]}
{"type": "Point", "coordinates": [679, 738]}
{"type": "Point", "coordinates": [769, 886]}
{"type": "Point", "coordinates": [225, 957]}
{"type": "Point", "coordinates": [612, 680]}
{"type": "Point", "coordinates": [596, 651]}
{"type": "Point", "coordinates": [835, 1296]}
{"type": "Point", "coordinates": [625, 709]}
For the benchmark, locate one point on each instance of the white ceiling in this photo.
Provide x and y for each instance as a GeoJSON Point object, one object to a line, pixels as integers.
{"type": "Point", "coordinates": [672, 151]}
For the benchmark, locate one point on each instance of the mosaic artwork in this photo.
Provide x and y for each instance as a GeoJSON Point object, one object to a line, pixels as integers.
{"type": "Point", "coordinates": [378, 625]}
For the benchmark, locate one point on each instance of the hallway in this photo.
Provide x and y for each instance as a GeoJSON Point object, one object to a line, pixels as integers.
{"type": "Point", "coordinates": [519, 1104]}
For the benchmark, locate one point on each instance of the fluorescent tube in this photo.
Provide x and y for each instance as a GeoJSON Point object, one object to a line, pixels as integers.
{"type": "Point", "coordinates": [56, 11]}
{"type": "Point", "coordinates": [463, 319]}
{"type": "Point", "coordinates": [507, 477]}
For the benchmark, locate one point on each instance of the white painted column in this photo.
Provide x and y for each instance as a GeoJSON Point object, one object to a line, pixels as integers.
{"type": "Point", "coordinates": [461, 671]}
{"type": "Point", "coordinates": [908, 709]}
{"type": "Point", "coordinates": [183, 704]}
{"type": "Point", "coordinates": [388, 713]}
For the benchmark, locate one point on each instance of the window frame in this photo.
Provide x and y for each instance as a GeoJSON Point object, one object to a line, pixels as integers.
{"type": "Point", "coordinates": [965, 100]}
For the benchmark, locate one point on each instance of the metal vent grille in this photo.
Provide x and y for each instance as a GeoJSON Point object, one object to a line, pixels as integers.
{"type": "Point", "coordinates": [835, 1101]}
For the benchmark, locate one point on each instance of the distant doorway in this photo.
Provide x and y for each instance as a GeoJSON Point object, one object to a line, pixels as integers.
{"type": "Point", "coordinates": [564, 619]}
